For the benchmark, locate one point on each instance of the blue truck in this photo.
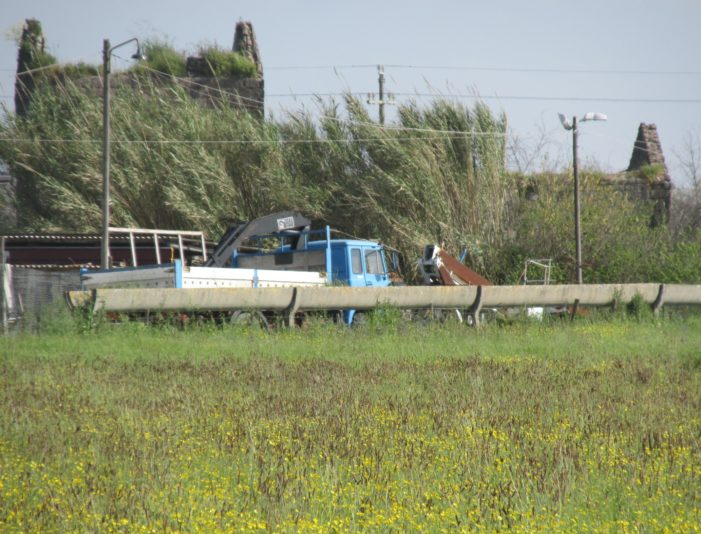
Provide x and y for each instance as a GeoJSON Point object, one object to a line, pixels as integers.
{"type": "Point", "coordinates": [277, 250]}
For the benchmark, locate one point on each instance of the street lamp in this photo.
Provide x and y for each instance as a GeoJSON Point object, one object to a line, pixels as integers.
{"type": "Point", "coordinates": [106, 57]}
{"type": "Point", "coordinates": [591, 116]}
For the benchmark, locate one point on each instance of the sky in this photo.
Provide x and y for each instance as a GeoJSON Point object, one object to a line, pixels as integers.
{"type": "Point", "coordinates": [634, 60]}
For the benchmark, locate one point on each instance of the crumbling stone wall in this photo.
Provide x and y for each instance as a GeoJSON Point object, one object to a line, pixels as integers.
{"type": "Point", "coordinates": [246, 92]}
{"type": "Point", "coordinates": [647, 177]}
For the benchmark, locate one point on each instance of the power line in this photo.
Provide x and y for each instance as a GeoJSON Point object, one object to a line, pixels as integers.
{"type": "Point", "coordinates": [436, 95]}
{"type": "Point", "coordinates": [560, 98]}
{"type": "Point", "coordinates": [321, 67]}
{"type": "Point", "coordinates": [506, 97]}
{"type": "Point", "coordinates": [478, 68]}
{"type": "Point", "coordinates": [551, 70]}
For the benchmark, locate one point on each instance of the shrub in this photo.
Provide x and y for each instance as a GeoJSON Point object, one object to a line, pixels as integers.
{"type": "Point", "coordinates": [40, 59]}
{"type": "Point", "coordinates": [638, 309]}
{"type": "Point", "coordinates": [227, 63]}
{"type": "Point", "coordinates": [618, 244]}
{"type": "Point", "coordinates": [79, 70]}
{"type": "Point", "coordinates": [162, 57]}
{"type": "Point", "coordinates": [650, 173]}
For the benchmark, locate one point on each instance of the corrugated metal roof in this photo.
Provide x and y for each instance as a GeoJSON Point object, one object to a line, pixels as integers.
{"type": "Point", "coordinates": [77, 237]}
{"type": "Point", "coordinates": [55, 266]}
{"type": "Point", "coordinates": [63, 238]}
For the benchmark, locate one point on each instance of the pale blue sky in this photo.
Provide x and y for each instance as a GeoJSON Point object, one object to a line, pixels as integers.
{"type": "Point", "coordinates": [524, 58]}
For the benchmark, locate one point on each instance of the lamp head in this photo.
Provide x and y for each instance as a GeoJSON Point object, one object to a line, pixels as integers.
{"type": "Point", "coordinates": [139, 54]}
{"type": "Point", "coordinates": [565, 123]}
{"type": "Point", "coordinates": [594, 116]}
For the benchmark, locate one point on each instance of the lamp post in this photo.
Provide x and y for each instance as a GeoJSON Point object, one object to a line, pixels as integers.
{"type": "Point", "coordinates": [106, 60]}
{"type": "Point", "coordinates": [590, 116]}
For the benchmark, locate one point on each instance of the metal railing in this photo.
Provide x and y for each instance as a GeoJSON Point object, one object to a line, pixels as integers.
{"type": "Point", "coordinates": [471, 299]}
{"type": "Point", "coordinates": [134, 233]}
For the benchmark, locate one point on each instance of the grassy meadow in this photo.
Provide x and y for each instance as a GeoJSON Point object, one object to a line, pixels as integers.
{"type": "Point", "coordinates": [572, 426]}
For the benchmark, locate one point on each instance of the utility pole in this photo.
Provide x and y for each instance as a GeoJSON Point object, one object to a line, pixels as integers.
{"type": "Point", "coordinates": [106, 67]}
{"type": "Point", "coordinates": [105, 260]}
{"type": "Point", "coordinates": [381, 102]}
{"type": "Point", "coordinates": [590, 116]}
{"type": "Point", "coordinates": [577, 212]}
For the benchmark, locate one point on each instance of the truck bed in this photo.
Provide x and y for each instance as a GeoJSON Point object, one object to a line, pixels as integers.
{"type": "Point", "coordinates": [178, 276]}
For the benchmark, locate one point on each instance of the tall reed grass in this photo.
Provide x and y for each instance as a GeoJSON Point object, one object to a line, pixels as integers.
{"type": "Point", "coordinates": [435, 175]}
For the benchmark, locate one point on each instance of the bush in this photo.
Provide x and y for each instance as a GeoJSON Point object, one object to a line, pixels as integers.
{"type": "Point", "coordinates": [638, 309]}
{"type": "Point", "coordinates": [79, 70]}
{"type": "Point", "coordinates": [40, 59]}
{"type": "Point", "coordinates": [650, 173]}
{"type": "Point", "coordinates": [618, 244]}
{"type": "Point", "coordinates": [227, 63]}
{"type": "Point", "coordinates": [162, 57]}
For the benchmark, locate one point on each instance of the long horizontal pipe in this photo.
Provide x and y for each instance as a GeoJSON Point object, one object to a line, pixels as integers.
{"type": "Point", "coordinates": [336, 298]}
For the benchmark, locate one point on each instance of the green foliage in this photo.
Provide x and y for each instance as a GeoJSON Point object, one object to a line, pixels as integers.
{"type": "Point", "coordinates": [618, 244]}
{"type": "Point", "coordinates": [385, 318]}
{"type": "Point", "coordinates": [436, 175]}
{"type": "Point", "coordinates": [31, 47]}
{"type": "Point", "coordinates": [79, 70]}
{"type": "Point", "coordinates": [638, 308]}
{"type": "Point", "coordinates": [38, 58]}
{"type": "Point", "coordinates": [56, 319]}
{"type": "Point", "coordinates": [58, 74]}
{"type": "Point", "coordinates": [650, 173]}
{"type": "Point", "coordinates": [178, 164]}
{"type": "Point", "coordinates": [227, 63]}
{"type": "Point", "coordinates": [531, 428]}
{"type": "Point", "coordinates": [162, 57]}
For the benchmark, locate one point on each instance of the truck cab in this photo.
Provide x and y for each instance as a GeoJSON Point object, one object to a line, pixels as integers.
{"type": "Point", "coordinates": [348, 262]}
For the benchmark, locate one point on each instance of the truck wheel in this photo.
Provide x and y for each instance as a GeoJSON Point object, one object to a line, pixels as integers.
{"type": "Point", "coordinates": [252, 319]}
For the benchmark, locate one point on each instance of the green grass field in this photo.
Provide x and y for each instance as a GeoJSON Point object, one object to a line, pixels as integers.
{"type": "Point", "coordinates": [583, 426]}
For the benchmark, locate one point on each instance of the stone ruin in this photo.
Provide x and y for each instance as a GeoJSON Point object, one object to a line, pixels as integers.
{"type": "Point", "coordinates": [247, 92]}
{"type": "Point", "coordinates": [32, 45]}
{"type": "Point", "coordinates": [647, 178]}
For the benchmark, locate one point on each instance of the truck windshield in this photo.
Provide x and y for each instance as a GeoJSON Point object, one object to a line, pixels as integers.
{"type": "Point", "coordinates": [373, 262]}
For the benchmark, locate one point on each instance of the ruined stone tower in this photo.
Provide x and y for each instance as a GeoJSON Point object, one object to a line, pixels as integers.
{"type": "Point", "coordinates": [647, 177]}
{"type": "Point", "coordinates": [30, 55]}
{"type": "Point", "coordinates": [245, 44]}
{"type": "Point", "coordinates": [244, 90]}
{"type": "Point", "coordinates": [647, 150]}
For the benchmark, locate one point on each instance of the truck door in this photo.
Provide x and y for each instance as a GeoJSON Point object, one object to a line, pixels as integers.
{"type": "Point", "coordinates": [357, 272]}
{"type": "Point", "coordinates": [375, 269]}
